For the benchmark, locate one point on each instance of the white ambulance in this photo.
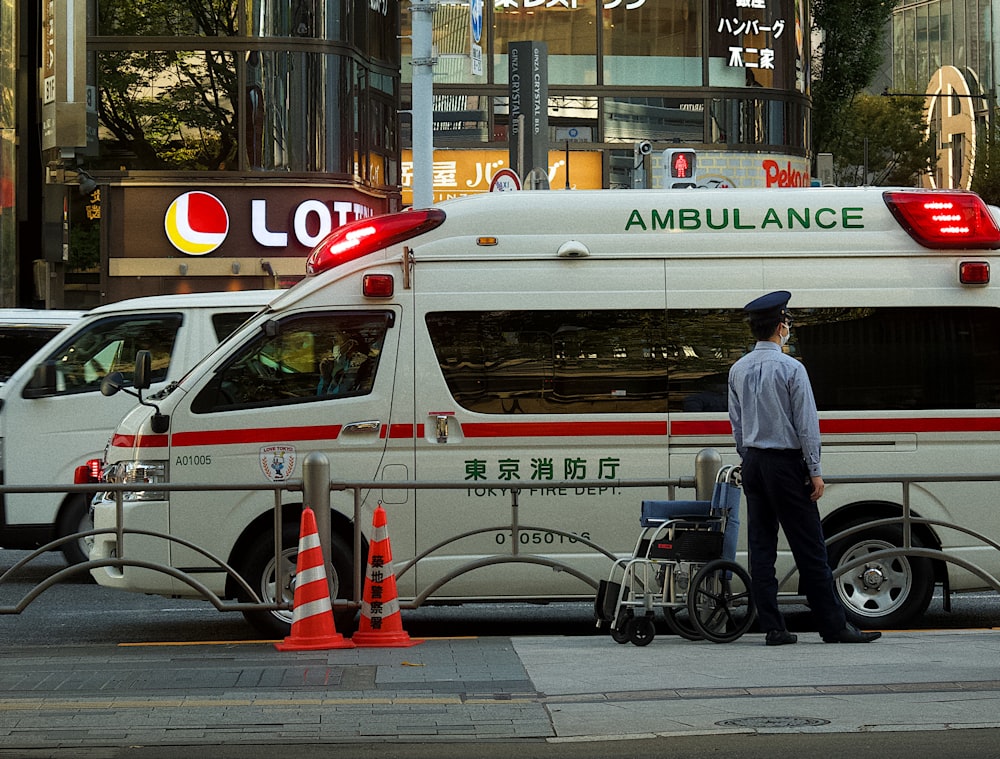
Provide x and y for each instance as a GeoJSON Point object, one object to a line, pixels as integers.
{"type": "Point", "coordinates": [53, 418]}
{"type": "Point", "coordinates": [535, 339]}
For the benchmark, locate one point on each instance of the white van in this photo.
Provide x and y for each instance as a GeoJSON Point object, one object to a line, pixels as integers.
{"type": "Point", "coordinates": [535, 339]}
{"type": "Point", "coordinates": [24, 330]}
{"type": "Point", "coordinates": [54, 419]}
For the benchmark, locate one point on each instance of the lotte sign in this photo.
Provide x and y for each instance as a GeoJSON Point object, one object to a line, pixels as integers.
{"type": "Point", "coordinates": [234, 221]}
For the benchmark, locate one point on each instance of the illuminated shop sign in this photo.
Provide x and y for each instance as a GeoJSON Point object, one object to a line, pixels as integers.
{"type": "Point", "coordinates": [515, 5]}
{"type": "Point", "coordinates": [751, 40]}
{"type": "Point", "coordinates": [469, 172]}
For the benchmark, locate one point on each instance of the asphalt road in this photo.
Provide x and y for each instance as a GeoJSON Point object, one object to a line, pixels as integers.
{"type": "Point", "coordinates": [80, 612]}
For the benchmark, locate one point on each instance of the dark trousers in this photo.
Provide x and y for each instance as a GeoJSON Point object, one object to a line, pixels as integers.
{"type": "Point", "coordinates": [776, 485]}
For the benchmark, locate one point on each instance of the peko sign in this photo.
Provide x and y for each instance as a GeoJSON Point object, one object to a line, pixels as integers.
{"type": "Point", "coordinates": [776, 175]}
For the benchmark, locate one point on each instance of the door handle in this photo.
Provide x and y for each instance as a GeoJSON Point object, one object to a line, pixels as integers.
{"type": "Point", "coordinates": [370, 426]}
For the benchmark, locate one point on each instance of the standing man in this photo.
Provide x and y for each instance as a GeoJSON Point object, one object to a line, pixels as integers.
{"type": "Point", "coordinates": [773, 413]}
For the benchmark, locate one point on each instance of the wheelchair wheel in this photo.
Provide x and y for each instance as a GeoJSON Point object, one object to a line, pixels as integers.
{"type": "Point", "coordinates": [719, 602]}
{"type": "Point", "coordinates": [622, 626]}
{"type": "Point", "coordinates": [642, 630]}
{"type": "Point", "coordinates": [679, 622]}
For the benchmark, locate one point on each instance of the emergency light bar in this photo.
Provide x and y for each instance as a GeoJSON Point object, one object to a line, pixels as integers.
{"type": "Point", "coordinates": [359, 238]}
{"type": "Point", "coordinates": [944, 219]}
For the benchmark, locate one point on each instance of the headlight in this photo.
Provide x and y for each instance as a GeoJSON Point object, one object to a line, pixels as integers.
{"type": "Point", "coordinates": [138, 473]}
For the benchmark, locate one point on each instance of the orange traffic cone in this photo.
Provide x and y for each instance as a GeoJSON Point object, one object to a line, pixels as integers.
{"type": "Point", "coordinates": [312, 612]}
{"type": "Point", "coordinates": [381, 624]}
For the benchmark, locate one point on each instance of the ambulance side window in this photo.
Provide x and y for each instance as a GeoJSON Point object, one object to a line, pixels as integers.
{"type": "Point", "coordinates": [554, 362]}
{"type": "Point", "coordinates": [107, 345]}
{"type": "Point", "coordinates": [302, 358]}
{"type": "Point", "coordinates": [226, 323]}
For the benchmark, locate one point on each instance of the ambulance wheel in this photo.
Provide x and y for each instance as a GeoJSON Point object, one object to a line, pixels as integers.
{"type": "Point", "coordinates": [719, 603]}
{"type": "Point", "coordinates": [642, 631]}
{"type": "Point", "coordinates": [884, 592]}
{"type": "Point", "coordinates": [76, 517]}
{"type": "Point", "coordinates": [258, 570]}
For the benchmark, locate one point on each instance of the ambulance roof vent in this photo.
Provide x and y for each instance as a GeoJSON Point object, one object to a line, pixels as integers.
{"type": "Point", "coordinates": [573, 249]}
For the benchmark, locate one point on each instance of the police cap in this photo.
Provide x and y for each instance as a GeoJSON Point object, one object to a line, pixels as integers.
{"type": "Point", "coordinates": [770, 306]}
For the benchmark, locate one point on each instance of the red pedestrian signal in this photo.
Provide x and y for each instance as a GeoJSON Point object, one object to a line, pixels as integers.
{"type": "Point", "coordinates": [682, 167]}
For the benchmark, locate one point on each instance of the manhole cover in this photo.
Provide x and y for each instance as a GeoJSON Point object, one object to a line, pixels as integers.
{"type": "Point", "coordinates": [766, 722]}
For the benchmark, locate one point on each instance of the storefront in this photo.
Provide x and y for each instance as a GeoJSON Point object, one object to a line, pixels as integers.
{"type": "Point", "coordinates": [728, 78]}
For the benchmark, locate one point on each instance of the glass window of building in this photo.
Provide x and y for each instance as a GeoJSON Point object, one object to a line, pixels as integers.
{"type": "Point", "coordinates": [313, 86]}
{"type": "Point", "coordinates": [568, 27]}
{"type": "Point", "coordinates": [652, 43]}
{"type": "Point", "coordinates": [656, 119]}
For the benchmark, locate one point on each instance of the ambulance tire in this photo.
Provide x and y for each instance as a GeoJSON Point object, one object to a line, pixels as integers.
{"type": "Point", "coordinates": [257, 568]}
{"type": "Point", "coordinates": [76, 517]}
{"type": "Point", "coordinates": [882, 593]}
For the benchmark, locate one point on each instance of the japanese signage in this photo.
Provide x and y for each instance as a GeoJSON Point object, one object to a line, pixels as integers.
{"type": "Point", "coordinates": [64, 73]}
{"type": "Point", "coordinates": [751, 39]}
{"type": "Point", "coordinates": [528, 90]}
{"type": "Point", "coordinates": [469, 172]}
{"type": "Point", "coordinates": [629, 5]}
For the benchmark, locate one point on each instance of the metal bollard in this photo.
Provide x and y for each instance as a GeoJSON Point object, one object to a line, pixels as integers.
{"type": "Point", "coordinates": [707, 464]}
{"type": "Point", "coordinates": [316, 495]}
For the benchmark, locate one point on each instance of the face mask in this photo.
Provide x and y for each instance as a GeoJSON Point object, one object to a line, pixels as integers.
{"type": "Point", "coordinates": [784, 337]}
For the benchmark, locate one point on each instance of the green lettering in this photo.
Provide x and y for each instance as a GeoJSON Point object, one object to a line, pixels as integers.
{"type": "Point", "coordinates": [736, 221]}
{"type": "Point", "coordinates": [667, 222]}
{"type": "Point", "coordinates": [802, 218]}
{"type": "Point", "coordinates": [725, 219]}
{"type": "Point", "coordinates": [826, 211]}
{"type": "Point", "coordinates": [771, 217]}
{"type": "Point", "coordinates": [689, 218]}
{"type": "Point", "coordinates": [853, 215]}
{"type": "Point", "coordinates": [634, 219]}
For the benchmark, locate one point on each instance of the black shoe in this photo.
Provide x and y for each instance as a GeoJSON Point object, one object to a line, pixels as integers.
{"type": "Point", "coordinates": [779, 638]}
{"type": "Point", "coordinates": [851, 634]}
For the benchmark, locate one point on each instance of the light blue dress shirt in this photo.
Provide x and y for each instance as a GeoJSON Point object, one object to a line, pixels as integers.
{"type": "Point", "coordinates": [771, 404]}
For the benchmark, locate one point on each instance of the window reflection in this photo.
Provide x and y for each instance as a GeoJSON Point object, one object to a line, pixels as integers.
{"type": "Point", "coordinates": [288, 124]}
{"type": "Point", "coordinates": [168, 109]}
{"type": "Point", "coordinates": [660, 119]}
{"type": "Point", "coordinates": [167, 18]}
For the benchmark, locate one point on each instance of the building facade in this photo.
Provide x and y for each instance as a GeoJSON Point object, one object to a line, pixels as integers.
{"type": "Point", "coordinates": [947, 49]}
{"type": "Point", "coordinates": [729, 78]}
{"type": "Point", "coordinates": [191, 145]}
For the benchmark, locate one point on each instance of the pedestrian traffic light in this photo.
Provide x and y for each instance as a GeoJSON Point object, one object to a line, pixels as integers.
{"type": "Point", "coordinates": [682, 167]}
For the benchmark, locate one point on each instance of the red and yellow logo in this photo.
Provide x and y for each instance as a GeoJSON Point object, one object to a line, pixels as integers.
{"type": "Point", "coordinates": [196, 223]}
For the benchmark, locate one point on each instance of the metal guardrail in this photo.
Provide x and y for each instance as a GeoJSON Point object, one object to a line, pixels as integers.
{"type": "Point", "coordinates": [316, 488]}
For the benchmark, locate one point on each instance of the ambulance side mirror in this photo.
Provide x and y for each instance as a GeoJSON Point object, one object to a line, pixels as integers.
{"type": "Point", "coordinates": [142, 378]}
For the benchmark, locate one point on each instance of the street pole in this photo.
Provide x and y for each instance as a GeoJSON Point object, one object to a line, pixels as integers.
{"type": "Point", "coordinates": [422, 18]}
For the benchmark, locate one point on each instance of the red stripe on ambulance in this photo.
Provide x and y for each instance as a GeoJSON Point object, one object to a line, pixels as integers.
{"type": "Point", "coordinates": [254, 435]}
{"type": "Point", "coordinates": [856, 426]}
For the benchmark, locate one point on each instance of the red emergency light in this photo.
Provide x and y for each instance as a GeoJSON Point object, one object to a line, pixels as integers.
{"type": "Point", "coordinates": [88, 473]}
{"type": "Point", "coordinates": [944, 219]}
{"type": "Point", "coordinates": [359, 238]}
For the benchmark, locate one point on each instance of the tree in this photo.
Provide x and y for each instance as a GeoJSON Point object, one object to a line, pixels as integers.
{"type": "Point", "coordinates": [899, 149]}
{"type": "Point", "coordinates": [845, 61]}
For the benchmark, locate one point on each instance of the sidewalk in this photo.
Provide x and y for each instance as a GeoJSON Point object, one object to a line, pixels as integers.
{"type": "Point", "coordinates": [494, 688]}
